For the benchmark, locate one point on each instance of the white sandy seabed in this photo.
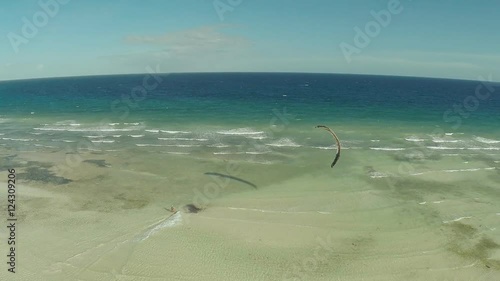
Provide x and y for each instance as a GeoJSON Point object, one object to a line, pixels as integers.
{"type": "Point", "coordinates": [320, 224]}
{"type": "Point", "coordinates": [257, 240]}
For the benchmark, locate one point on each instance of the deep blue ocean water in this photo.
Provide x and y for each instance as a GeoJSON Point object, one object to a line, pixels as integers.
{"type": "Point", "coordinates": [318, 97]}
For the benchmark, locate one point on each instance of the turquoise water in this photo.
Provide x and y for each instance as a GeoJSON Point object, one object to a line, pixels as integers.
{"type": "Point", "coordinates": [243, 105]}
{"type": "Point", "coordinates": [267, 118]}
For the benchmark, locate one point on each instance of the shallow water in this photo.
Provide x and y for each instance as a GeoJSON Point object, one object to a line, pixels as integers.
{"type": "Point", "coordinates": [410, 198]}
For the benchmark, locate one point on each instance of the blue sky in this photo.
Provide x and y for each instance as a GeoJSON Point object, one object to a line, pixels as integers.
{"type": "Point", "coordinates": [448, 38]}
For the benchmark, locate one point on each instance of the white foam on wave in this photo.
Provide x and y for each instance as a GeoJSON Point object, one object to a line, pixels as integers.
{"type": "Point", "coordinates": [104, 130]}
{"type": "Point", "coordinates": [335, 148]}
{"type": "Point", "coordinates": [435, 202]}
{"type": "Point", "coordinates": [227, 153]}
{"type": "Point", "coordinates": [166, 145]}
{"type": "Point", "coordinates": [485, 140]}
{"type": "Point", "coordinates": [116, 136]}
{"type": "Point", "coordinates": [48, 146]}
{"type": "Point", "coordinates": [147, 144]}
{"type": "Point", "coordinates": [462, 170]}
{"type": "Point", "coordinates": [414, 139]}
{"type": "Point", "coordinates": [174, 132]}
{"type": "Point", "coordinates": [257, 152]}
{"type": "Point", "coordinates": [183, 145]}
{"type": "Point", "coordinates": [178, 153]}
{"type": "Point", "coordinates": [219, 145]}
{"type": "Point", "coordinates": [12, 139]}
{"type": "Point", "coordinates": [388, 148]}
{"type": "Point", "coordinates": [324, 147]}
{"type": "Point", "coordinates": [284, 142]}
{"type": "Point", "coordinates": [440, 140]}
{"type": "Point", "coordinates": [64, 123]}
{"type": "Point", "coordinates": [102, 141]}
{"type": "Point", "coordinates": [240, 131]}
{"type": "Point", "coordinates": [186, 139]}
{"type": "Point", "coordinates": [85, 130]}
{"type": "Point", "coordinates": [445, 148]}
{"type": "Point", "coordinates": [375, 140]}
{"type": "Point", "coordinates": [483, 148]}
{"type": "Point", "coordinates": [95, 137]}
{"type": "Point", "coordinates": [135, 124]}
{"type": "Point", "coordinates": [136, 136]}
{"type": "Point", "coordinates": [113, 124]}
{"type": "Point", "coordinates": [257, 137]}
{"type": "Point", "coordinates": [153, 131]}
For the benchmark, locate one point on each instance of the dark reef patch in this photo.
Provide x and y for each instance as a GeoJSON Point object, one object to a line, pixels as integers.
{"type": "Point", "coordinates": [8, 163]}
{"type": "Point", "coordinates": [36, 173]}
{"type": "Point", "coordinates": [468, 242]}
{"type": "Point", "coordinates": [128, 203]}
{"type": "Point", "coordinates": [39, 164]}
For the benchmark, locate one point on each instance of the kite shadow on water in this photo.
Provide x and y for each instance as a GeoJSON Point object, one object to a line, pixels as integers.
{"type": "Point", "coordinates": [231, 177]}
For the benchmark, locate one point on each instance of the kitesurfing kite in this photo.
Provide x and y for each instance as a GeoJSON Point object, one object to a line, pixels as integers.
{"type": "Point", "coordinates": [337, 155]}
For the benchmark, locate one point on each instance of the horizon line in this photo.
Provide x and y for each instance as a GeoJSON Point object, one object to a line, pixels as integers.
{"type": "Point", "coordinates": [243, 72]}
